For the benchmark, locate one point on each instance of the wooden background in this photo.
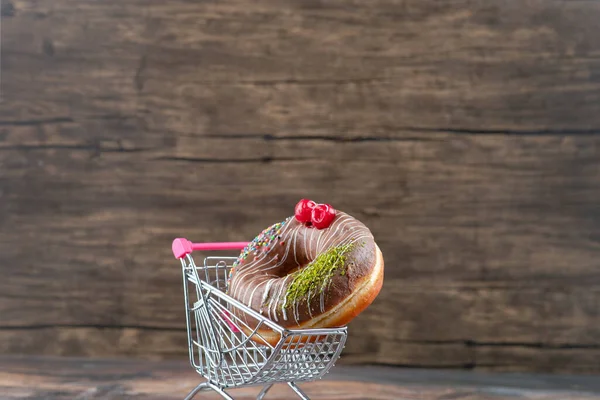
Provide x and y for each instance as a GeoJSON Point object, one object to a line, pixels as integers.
{"type": "Point", "coordinates": [465, 134]}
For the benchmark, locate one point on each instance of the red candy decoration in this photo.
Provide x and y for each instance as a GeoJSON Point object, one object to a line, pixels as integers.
{"type": "Point", "coordinates": [312, 214]}
{"type": "Point", "coordinates": [303, 210]}
{"type": "Point", "coordinates": [322, 216]}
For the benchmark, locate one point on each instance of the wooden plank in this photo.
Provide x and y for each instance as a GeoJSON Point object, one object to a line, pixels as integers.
{"type": "Point", "coordinates": [148, 344]}
{"type": "Point", "coordinates": [463, 134]}
{"type": "Point", "coordinates": [58, 378]}
{"type": "Point", "coordinates": [363, 348]}
{"type": "Point", "coordinates": [348, 67]}
{"type": "Point", "coordinates": [462, 245]}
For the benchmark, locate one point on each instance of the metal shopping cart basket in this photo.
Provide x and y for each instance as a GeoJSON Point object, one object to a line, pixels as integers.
{"type": "Point", "coordinates": [226, 350]}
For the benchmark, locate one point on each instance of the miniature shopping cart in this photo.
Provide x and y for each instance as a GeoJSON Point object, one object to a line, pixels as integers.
{"type": "Point", "coordinates": [227, 350]}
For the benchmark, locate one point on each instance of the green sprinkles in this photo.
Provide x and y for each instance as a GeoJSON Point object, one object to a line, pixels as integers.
{"type": "Point", "coordinates": [315, 277]}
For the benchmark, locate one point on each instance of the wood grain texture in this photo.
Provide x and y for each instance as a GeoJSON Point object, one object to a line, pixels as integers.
{"type": "Point", "coordinates": [465, 134]}
{"type": "Point", "coordinates": [70, 378]}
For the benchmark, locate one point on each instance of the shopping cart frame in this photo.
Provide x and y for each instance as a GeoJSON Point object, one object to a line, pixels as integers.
{"type": "Point", "coordinates": [224, 343]}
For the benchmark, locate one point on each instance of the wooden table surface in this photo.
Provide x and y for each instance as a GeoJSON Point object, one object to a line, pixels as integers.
{"type": "Point", "coordinates": [84, 379]}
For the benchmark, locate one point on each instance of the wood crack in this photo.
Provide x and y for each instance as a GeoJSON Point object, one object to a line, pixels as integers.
{"type": "Point", "coordinates": [508, 132]}
{"type": "Point", "coordinates": [258, 160]}
{"type": "Point", "coordinates": [535, 345]}
{"type": "Point", "coordinates": [457, 366]}
{"type": "Point", "coordinates": [275, 82]}
{"type": "Point", "coordinates": [81, 147]}
{"type": "Point", "coordinates": [309, 82]}
{"type": "Point", "coordinates": [362, 138]}
{"type": "Point", "coordinates": [34, 122]}
{"type": "Point", "coordinates": [329, 138]}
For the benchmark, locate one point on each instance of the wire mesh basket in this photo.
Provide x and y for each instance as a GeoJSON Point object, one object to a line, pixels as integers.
{"type": "Point", "coordinates": [224, 342]}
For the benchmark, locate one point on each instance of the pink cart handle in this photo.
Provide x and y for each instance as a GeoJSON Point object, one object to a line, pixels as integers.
{"type": "Point", "coordinates": [182, 247]}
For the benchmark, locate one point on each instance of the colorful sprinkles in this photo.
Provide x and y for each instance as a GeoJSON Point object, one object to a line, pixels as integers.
{"type": "Point", "coordinates": [262, 242]}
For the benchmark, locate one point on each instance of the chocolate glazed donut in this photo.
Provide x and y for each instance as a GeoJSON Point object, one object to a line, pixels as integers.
{"type": "Point", "coordinates": [318, 269]}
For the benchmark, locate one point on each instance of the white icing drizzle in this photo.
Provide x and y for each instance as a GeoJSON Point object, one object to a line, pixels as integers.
{"type": "Point", "coordinates": [283, 308]}
{"type": "Point", "coordinates": [295, 257]}
{"type": "Point", "coordinates": [317, 245]}
{"type": "Point", "coordinates": [312, 243]}
{"type": "Point", "coordinates": [278, 297]}
{"type": "Point", "coordinates": [308, 304]}
{"type": "Point", "coordinates": [252, 293]}
{"type": "Point", "coordinates": [266, 293]}
{"type": "Point", "coordinates": [269, 309]}
{"type": "Point", "coordinates": [296, 312]}
{"type": "Point", "coordinates": [322, 301]}
{"type": "Point", "coordinates": [243, 296]}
